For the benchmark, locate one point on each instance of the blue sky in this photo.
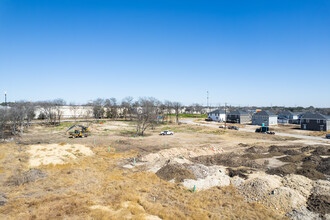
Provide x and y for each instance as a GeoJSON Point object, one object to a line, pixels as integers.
{"type": "Point", "coordinates": [242, 52]}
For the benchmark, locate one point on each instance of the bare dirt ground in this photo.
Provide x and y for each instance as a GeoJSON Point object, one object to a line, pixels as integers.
{"type": "Point", "coordinates": [197, 173]}
{"type": "Point", "coordinates": [282, 128]}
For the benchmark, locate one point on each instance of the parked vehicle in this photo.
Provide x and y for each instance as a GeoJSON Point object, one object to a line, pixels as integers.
{"type": "Point", "coordinates": [264, 130]}
{"type": "Point", "coordinates": [233, 127]}
{"type": "Point", "coordinates": [166, 133]}
{"type": "Point", "coordinates": [327, 136]}
{"type": "Point", "coordinates": [222, 126]}
{"type": "Point", "coordinates": [208, 119]}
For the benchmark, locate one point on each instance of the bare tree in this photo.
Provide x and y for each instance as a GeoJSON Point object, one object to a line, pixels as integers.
{"type": "Point", "coordinates": [127, 105]}
{"type": "Point", "coordinates": [57, 105]}
{"type": "Point", "coordinates": [111, 108]}
{"type": "Point", "coordinates": [74, 108]}
{"type": "Point", "coordinates": [169, 107]}
{"type": "Point", "coordinates": [4, 118]}
{"type": "Point", "coordinates": [98, 108]}
{"type": "Point", "coordinates": [198, 108]}
{"type": "Point", "coordinates": [146, 113]}
{"type": "Point", "coordinates": [177, 106]}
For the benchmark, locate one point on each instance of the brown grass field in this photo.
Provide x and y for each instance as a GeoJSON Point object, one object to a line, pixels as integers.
{"type": "Point", "coordinates": [96, 186]}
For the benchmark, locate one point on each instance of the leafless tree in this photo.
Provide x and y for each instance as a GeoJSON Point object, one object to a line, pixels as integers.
{"type": "Point", "coordinates": [198, 108]}
{"type": "Point", "coordinates": [177, 106]}
{"type": "Point", "coordinates": [127, 105]}
{"type": "Point", "coordinates": [57, 105]}
{"type": "Point", "coordinates": [112, 108]}
{"type": "Point", "coordinates": [98, 108]}
{"type": "Point", "coordinates": [4, 118]}
{"type": "Point", "coordinates": [169, 107]}
{"type": "Point", "coordinates": [146, 114]}
{"type": "Point", "coordinates": [74, 108]}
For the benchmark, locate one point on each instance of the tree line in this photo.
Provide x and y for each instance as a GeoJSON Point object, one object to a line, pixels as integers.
{"type": "Point", "coordinates": [147, 112]}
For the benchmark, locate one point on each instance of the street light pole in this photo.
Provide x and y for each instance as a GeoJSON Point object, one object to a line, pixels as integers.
{"type": "Point", "coordinates": [5, 98]}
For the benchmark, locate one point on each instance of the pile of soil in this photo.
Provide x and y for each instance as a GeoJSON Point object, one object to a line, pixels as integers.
{"type": "Point", "coordinates": [319, 204]}
{"type": "Point", "coordinates": [26, 177]}
{"type": "Point", "coordinates": [307, 148]}
{"type": "Point", "coordinates": [321, 187]}
{"type": "Point", "coordinates": [227, 159]}
{"type": "Point", "coordinates": [256, 150]}
{"type": "Point", "coordinates": [301, 184]}
{"type": "Point", "coordinates": [324, 166]}
{"type": "Point", "coordinates": [285, 199]}
{"type": "Point", "coordinates": [282, 149]}
{"type": "Point", "coordinates": [311, 173]}
{"type": "Point", "coordinates": [257, 188]}
{"type": "Point", "coordinates": [292, 152]}
{"type": "Point", "coordinates": [237, 172]}
{"type": "Point", "coordinates": [293, 158]}
{"type": "Point", "coordinates": [170, 172]}
{"type": "Point", "coordinates": [3, 199]}
{"type": "Point", "coordinates": [283, 170]}
{"type": "Point", "coordinates": [322, 150]}
{"type": "Point", "coordinates": [302, 213]}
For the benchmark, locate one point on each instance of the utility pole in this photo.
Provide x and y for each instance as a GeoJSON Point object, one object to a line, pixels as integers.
{"type": "Point", "coordinates": [207, 92]}
{"type": "Point", "coordinates": [225, 115]}
{"type": "Point", "coordinates": [5, 98]}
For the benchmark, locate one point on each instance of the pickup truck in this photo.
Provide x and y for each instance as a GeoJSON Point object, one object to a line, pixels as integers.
{"type": "Point", "coordinates": [166, 133]}
{"type": "Point", "coordinates": [264, 130]}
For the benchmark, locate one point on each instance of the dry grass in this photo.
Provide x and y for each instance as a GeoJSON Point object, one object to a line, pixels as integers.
{"type": "Point", "coordinates": [96, 187]}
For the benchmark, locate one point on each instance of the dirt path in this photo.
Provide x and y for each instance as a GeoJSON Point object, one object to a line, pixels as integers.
{"type": "Point", "coordinates": [191, 121]}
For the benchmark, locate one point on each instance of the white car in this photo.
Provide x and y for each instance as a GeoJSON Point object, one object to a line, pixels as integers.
{"type": "Point", "coordinates": [166, 133]}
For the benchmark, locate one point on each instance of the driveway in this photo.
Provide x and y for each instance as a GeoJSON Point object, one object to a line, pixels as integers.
{"type": "Point", "coordinates": [191, 121]}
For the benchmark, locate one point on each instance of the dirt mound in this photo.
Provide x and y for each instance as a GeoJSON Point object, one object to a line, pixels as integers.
{"type": "Point", "coordinates": [312, 160]}
{"type": "Point", "coordinates": [280, 148]}
{"type": "Point", "coordinates": [283, 170]}
{"type": "Point", "coordinates": [324, 166]}
{"type": "Point", "coordinates": [321, 187]}
{"type": "Point", "coordinates": [257, 188]}
{"type": "Point", "coordinates": [170, 172]}
{"type": "Point", "coordinates": [302, 213]}
{"type": "Point", "coordinates": [3, 199]}
{"type": "Point", "coordinates": [216, 177]}
{"type": "Point", "coordinates": [237, 181]}
{"type": "Point", "coordinates": [274, 148]}
{"type": "Point", "coordinates": [237, 172]}
{"type": "Point", "coordinates": [310, 173]}
{"type": "Point", "coordinates": [307, 148]}
{"type": "Point", "coordinates": [319, 204]}
{"type": "Point", "coordinates": [322, 150]}
{"type": "Point", "coordinates": [285, 199]}
{"type": "Point", "coordinates": [26, 177]}
{"type": "Point", "coordinates": [299, 183]}
{"type": "Point", "coordinates": [292, 159]}
{"type": "Point", "coordinates": [227, 159]}
{"type": "Point", "coordinates": [256, 150]}
{"type": "Point", "coordinates": [292, 152]}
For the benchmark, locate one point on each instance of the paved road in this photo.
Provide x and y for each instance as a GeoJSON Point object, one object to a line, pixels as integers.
{"type": "Point", "coordinates": [191, 121]}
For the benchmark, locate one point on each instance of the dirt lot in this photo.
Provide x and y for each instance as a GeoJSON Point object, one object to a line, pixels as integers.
{"type": "Point", "coordinates": [197, 173]}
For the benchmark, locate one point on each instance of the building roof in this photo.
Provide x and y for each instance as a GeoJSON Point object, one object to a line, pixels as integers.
{"type": "Point", "coordinates": [238, 112]}
{"type": "Point", "coordinates": [314, 115]}
{"type": "Point", "coordinates": [290, 113]}
{"type": "Point", "coordinates": [265, 113]}
{"type": "Point", "coordinates": [217, 112]}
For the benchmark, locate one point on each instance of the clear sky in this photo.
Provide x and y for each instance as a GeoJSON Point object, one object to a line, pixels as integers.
{"type": "Point", "coordinates": [269, 52]}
